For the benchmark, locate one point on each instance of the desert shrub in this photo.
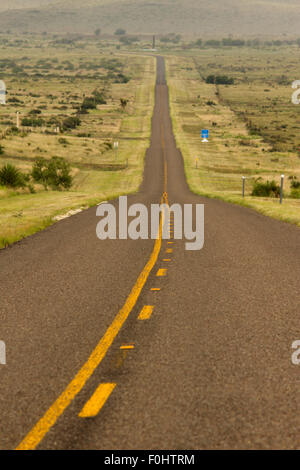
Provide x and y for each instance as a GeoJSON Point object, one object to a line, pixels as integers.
{"type": "Point", "coordinates": [54, 173]}
{"type": "Point", "coordinates": [120, 32]}
{"type": "Point", "coordinates": [14, 100]}
{"type": "Point", "coordinates": [108, 145]}
{"type": "Point", "coordinates": [63, 141]}
{"type": "Point", "coordinates": [70, 122]}
{"type": "Point", "coordinates": [117, 77]}
{"type": "Point", "coordinates": [219, 80]}
{"type": "Point", "coordinates": [123, 102]}
{"type": "Point", "coordinates": [84, 134]}
{"type": "Point", "coordinates": [99, 97]}
{"type": "Point", "coordinates": [295, 184]}
{"type": "Point", "coordinates": [35, 112]}
{"type": "Point", "coordinates": [1, 150]}
{"type": "Point", "coordinates": [213, 43]}
{"type": "Point", "coordinates": [32, 122]}
{"type": "Point", "coordinates": [88, 103]}
{"type": "Point", "coordinates": [12, 177]}
{"type": "Point", "coordinates": [233, 42]}
{"type": "Point", "coordinates": [127, 40]}
{"type": "Point", "coordinates": [295, 187]}
{"type": "Point", "coordinates": [266, 189]}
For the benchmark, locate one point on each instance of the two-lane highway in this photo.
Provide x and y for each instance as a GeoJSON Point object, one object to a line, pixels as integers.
{"type": "Point", "coordinates": [123, 344]}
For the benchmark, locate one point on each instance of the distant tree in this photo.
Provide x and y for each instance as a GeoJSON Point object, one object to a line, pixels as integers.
{"type": "Point", "coordinates": [98, 32]}
{"type": "Point", "coordinates": [213, 43]}
{"type": "Point", "coordinates": [233, 42]}
{"type": "Point", "coordinates": [70, 122]}
{"type": "Point", "coordinates": [219, 80]}
{"type": "Point", "coordinates": [199, 42]}
{"type": "Point", "coordinates": [120, 32]}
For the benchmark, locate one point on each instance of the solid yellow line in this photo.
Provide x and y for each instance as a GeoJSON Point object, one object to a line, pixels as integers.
{"type": "Point", "coordinates": [39, 431]}
{"type": "Point", "coordinates": [161, 272]}
{"type": "Point", "coordinates": [146, 312]}
{"type": "Point", "coordinates": [97, 401]}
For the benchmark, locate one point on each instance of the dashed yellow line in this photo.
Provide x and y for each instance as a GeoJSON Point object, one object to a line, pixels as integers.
{"type": "Point", "coordinates": [39, 431]}
{"type": "Point", "coordinates": [146, 312]}
{"type": "Point", "coordinates": [169, 250]}
{"type": "Point", "coordinates": [127, 346]}
{"type": "Point", "coordinates": [161, 272]}
{"type": "Point", "coordinates": [155, 288]}
{"type": "Point", "coordinates": [97, 400]}
{"type": "Point", "coordinates": [167, 260]}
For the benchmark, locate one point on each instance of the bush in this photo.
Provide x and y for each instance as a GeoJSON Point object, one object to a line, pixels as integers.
{"type": "Point", "coordinates": [70, 122]}
{"type": "Point", "coordinates": [266, 189]}
{"type": "Point", "coordinates": [54, 173]}
{"type": "Point", "coordinates": [295, 184]}
{"type": "Point", "coordinates": [219, 80]}
{"type": "Point", "coordinates": [120, 32]}
{"type": "Point", "coordinates": [32, 122]}
{"type": "Point", "coordinates": [233, 42]}
{"type": "Point", "coordinates": [12, 177]}
{"type": "Point", "coordinates": [213, 43]}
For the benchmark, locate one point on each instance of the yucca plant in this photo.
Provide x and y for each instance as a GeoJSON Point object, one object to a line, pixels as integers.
{"type": "Point", "coordinates": [11, 176]}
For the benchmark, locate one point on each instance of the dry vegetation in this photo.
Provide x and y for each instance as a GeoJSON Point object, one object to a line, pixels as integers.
{"type": "Point", "coordinates": [254, 127]}
{"type": "Point", "coordinates": [50, 82]}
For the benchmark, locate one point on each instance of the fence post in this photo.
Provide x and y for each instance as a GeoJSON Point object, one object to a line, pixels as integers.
{"type": "Point", "coordinates": [244, 186]}
{"type": "Point", "coordinates": [281, 189]}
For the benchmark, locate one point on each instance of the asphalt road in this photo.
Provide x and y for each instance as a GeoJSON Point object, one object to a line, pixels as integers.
{"type": "Point", "coordinates": [210, 369]}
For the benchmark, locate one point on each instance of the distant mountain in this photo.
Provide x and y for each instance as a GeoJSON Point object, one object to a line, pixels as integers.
{"type": "Point", "coordinates": [20, 4]}
{"type": "Point", "coordinates": [197, 17]}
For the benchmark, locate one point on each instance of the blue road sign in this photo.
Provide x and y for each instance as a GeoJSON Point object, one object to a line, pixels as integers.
{"type": "Point", "coordinates": [204, 133]}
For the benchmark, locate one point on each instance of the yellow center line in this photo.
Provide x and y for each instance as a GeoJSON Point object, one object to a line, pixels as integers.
{"type": "Point", "coordinates": [39, 431]}
{"type": "Point", "coordinates": [48, 420]}
{"type": "Point", "coordinates": [146, 312]}
{"type": "Point", "coordinates": [97, 400]}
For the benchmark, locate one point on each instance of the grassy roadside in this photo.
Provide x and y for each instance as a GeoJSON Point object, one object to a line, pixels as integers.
{"type": "Point", "coordinates": [215, 169]}
{"type": "Point", "coordinates": [87, 148]}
